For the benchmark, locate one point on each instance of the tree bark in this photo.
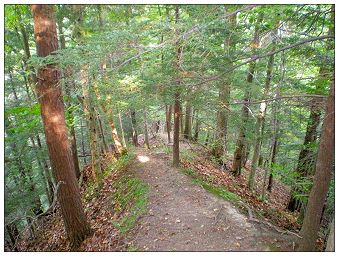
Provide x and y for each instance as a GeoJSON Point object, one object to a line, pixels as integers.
{"type": "Point", "coordinates": [168, 122]}
{"type": "Point", "coordinates": [91, 123]}
{"type": "Point", "coordinates": [188, 122]}
{"type": "Point", "coordinates": [238, 153]}
{"type": "Point", "coordinates": [146, 129]}
{"type": "Point", "coordinates": [52, 112]}
{"type": "Point", "coordinates": [196, 128]}
{"type": "Point", "coordinates": [330, 239]}
{"type": "Point", "coordinates": [122, 131]}
{"type": "Point", "coordinates": [321, 180]}
{"type": "Point", "coordinates": [224, 94]}
{"type": "Point", "coordinates": [134, 130]}
{"type": "Point", "coordinates": [259, 126]}
{"type": "Point", "coordinates": [177, 112]}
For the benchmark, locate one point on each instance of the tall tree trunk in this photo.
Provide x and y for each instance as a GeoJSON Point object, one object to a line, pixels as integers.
{"type": "Point", "coordinates": [238, 153]}
{"type": "Point", "coordinates": [306, 160]}
{"type": "Point", "coordinates": [101, 132]}
{"type": "Point", "coordinates": [259, 126]}
{"type": "Point", "coordinates": [146, 129]}
{"type": "Point", "coordinates": [306, 157]}
{"type": "Point", "coordinates": [168, 122]}
{"type": "Point", "coordinates": [224, 93]}
{"type": "Point", "coordinates": [52, 112]}
{"type": "Point", "coordinates": [91, 123]}
{"type": "Point", "coordinates": [134, 125]}
{"type": "Point", "coordinates": [321, 180]}
{"type": "Point", "coordinates": [120, 148]}
{"type": "Point", "coordinates": [182, 124]}
{"type": "Point", "coordinates": [122, 131]}
{"type": "Point", "coordinates": [177, 112]}
{"type": "Point", "coordinates": [197, 127]}
{"type": "Point", "coordinates": [188, 122]}
{"type": "Point", "coordinates": [83, 142]}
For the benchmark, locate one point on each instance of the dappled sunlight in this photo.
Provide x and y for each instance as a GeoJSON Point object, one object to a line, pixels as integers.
{"type": "Point", "coordinates": [143, 159]}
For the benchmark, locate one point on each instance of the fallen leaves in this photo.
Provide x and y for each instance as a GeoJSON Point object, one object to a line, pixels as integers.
{"type": "Point", "coordinates": [273, 208]}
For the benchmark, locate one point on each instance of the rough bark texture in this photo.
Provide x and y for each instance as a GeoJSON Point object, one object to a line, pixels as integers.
{"type": "Point", "coordinates": [196, 128]}
{"type": "Point", "coordinates": [146, 129]}
{"type": "Point", "coordinates": [188, 122]}
{"type": "Point", "coordinates": [177, 112]}
{"type": "Point", "coordinates": [224, 95]}
{"type": "Point", "coordinates": [168, 122]}
{"type": "Point", "coordinates": [259, 126]}
{"type": "Point", "coordinates": [330, 239]}
{"type": "Point", "coordinates": [176, 134]}
{"type": "Point", "coordinates": [238, 153]}
{"type": "Point", "coordinates": [91, 123]}
{"type": "Point", "coordinates": [134, 125]}
{"type": "Point", "coordinates": [52, 112]}
{"type": "Point", "coordinates": [321, 180]}
{"type": "Point", "coordinates": [122, 131]}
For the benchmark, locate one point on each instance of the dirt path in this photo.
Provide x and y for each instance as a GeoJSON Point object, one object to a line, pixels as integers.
{"type": "Point", "coordinates": [185, 217]}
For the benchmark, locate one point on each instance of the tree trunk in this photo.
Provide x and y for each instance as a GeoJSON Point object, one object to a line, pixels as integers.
{"type": "Point", "coordinates": [168, 121]}
{"type": "Point", "coordinates": [52, 112]}
{"type": "Point", "coordinates": [188, 122]}
{"type": "Point", "coordinates": [134, 130]}
{"type": "Point", "coordinates": [238, 154]}
{"type": "Point", "coordinates": [259, 126]}
{"type": "Point", "coordinates": [146, 129]}
{"type": "Point", "coordinates": [83, 142]}
{"type": "Point", "coordinates": [306, 160]}
{"type": "Point", "coordinates": [177, 112]}
{"type": "Point", "coordinates": [196, 128]}
{"type": "Point", "coordinates": [321, 180]}
{"type": "Point", "coordinates": [102, 133]}
{"type": "Point", "coordinates": [122, 131]}
{"type": "Point", "coordinates": [330, 239]}
{"type": "Point", "coordinates": [91, 124]}
{"type": "Point", "coordinates": [119, 147]}
{"type": "Point", "coordinates": [182, 125]}
{"type": "Point", "coordinates": [176, 134]}
{"type": "Point", "coordinates": [224, 93]}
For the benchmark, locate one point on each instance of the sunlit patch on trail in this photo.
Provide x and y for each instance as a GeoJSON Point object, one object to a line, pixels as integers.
{"type": "Point", "coordinates": [143, 159]}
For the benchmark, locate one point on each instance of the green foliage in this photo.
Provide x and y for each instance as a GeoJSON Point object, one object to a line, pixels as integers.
{"type": "Point", "coordinates": [220, 191]}
{"type": "Point", "coordinates": [129, 199]}
{"type": "Point", "coordinates": [115, 166]}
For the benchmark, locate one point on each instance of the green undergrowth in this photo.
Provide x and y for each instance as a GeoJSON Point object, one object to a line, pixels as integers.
{"type": "Point", "coordinates": [130, 201]}
{"type": "Point", "coordinates": [115, 166]}
{"type": "Point", "coordinates": [220, 191]}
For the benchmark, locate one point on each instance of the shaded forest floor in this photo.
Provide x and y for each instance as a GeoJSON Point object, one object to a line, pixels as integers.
{"type": "Point", "coordinates": [143, 204]}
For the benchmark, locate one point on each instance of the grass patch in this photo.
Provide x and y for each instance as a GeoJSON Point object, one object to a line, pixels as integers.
{"type": "Point", "coordinates": [188, 155]}
{"type": "Point", "coordinates": [94, 187]}
{"type": "Point", "coordinates": [220, 191]}
{"type": "Point", "coordinates": [129, 200]}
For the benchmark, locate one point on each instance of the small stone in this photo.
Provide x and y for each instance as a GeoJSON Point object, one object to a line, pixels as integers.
{"type": "Point", "coordinates": [238, 237]}
{"type": "Point", "coordinates": [177, 221]}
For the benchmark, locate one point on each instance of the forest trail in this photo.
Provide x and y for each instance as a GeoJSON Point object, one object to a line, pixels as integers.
{"type": "Point", "coordinates": [185, 217]}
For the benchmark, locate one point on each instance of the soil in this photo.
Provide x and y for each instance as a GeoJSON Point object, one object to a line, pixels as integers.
{"type": "Point", "coordinates": [183, 216]}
